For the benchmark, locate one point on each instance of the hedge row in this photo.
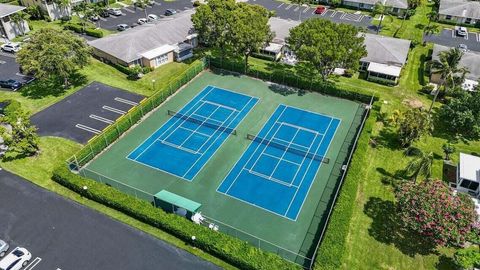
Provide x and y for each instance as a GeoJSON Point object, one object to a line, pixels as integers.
{"type": "Point", "coordinates": [332, 249]}
{"type": "Point", "coordinates": [79, 29]}
{"type": "Point", "coordinates": [286, 77]}
{"type": "Point", "coordinates": [228, 248]}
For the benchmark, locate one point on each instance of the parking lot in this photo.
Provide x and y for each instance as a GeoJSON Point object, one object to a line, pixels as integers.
{"type": "Point", "coordinates": [131, 14]}
{"type": "Point", "coordinates": [9, 69]}
{"type": "Point", "coordinates": [64, 235]}
{"type": "Point", "coordinates": [291, 11]}
{"type": "Point", "coordinates": [85, 113]}
{"type": "Point", "coordinates": [448, 37]}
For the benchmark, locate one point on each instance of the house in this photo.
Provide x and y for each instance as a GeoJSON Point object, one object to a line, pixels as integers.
{"type": "Point", "coordinates": [460, 11]}
{"type": "Point", "coordinates": [385, 58]}
{"type": "Point", "coordinates": [49, 8]}
{"type": "Point", "coordinates": [468, 175]}
{"type": "Point", "coordinates": [397, 7]}
{"type": "Point", "coordinates": [281, 28]}
{"type": "Point", "coordinates": [8, 28]}
{"type": "Point", "coordinates": [150, 45]}
{"type": "Point", "coordinates": [470, 60]}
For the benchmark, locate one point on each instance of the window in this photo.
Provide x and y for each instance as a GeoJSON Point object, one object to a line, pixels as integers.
{"type": "Point", "coordinates": [448, 17]}
{"type": "Point", "coordinates": [467, 184]}
{"type": "Point", "coordinates": [468, 20]}
{"type": "Point", "coordinates": [137, 62]}
{"type": "Point", "coordinates": [162, 59]}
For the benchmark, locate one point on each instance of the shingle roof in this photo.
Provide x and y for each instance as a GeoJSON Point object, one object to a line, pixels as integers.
{"type": "Point", "coordinates": [6, 10]}
{"type": "Point", "coordinates": [281, 28]}
{"type": "Point", "coordinates": [386, 50]}
{"type": "Point", "coordinates": [129, 45]}
{"type": "Point", "coordinates": [470, 60]}
{"type": "Point", "coordinates": [460, 8]}
{"type": "Point", "coordinates": [391, 3]}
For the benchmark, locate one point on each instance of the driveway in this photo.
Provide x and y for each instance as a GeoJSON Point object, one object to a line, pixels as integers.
{"type": "Point", "coordinates": [449, 38]}
{"type": "Point", "coordinates": [131, 14]}
{"type": "Point", "coordinates": [9, 69]}
{"type": "Point", "coordinates": [62, 234]}
{"type": "Point", "coordinates": [85, 113]}
{"type": "Point", "coordinates": [291, 12]}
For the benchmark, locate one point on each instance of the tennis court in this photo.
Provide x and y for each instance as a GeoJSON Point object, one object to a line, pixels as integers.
{"type": "Point", "coordinates": [185, 143]}
{"type": "Point", "coordinates": [277, 170]}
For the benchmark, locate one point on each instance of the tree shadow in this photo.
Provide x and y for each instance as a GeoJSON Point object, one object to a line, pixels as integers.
{"type": "Point", "coordinates": [386, 228]}
{"type": "Point", "coordinates": [51, 87]}
{"type": "Point", "coordinates": [392, 179]}
{"type": "Point", "coordinates": [388, 138]}
{"type": "Point", "coordinates": [421, 70]}
{"type": "Point", "coordinates": [420, 26]}
{"type": "Point", "coordinates": [445, 263]}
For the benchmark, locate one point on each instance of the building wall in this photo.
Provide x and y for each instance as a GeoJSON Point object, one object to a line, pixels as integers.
{"type": "Point", "coordinates": [151, 63]}
{"type": "Point", "coordinates": [12, 30]}
{"type": "Point", "coordinates": [52, 10]}
{"type": "Point", "coordinates": [396, 11]}
{"type": "Point", "coordinates": [455, 19]}
{"type": "Point", "coordinates": [108, 58]}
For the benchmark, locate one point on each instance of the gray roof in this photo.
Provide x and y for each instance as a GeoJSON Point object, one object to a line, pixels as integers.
{"type": "Point", "coordinates": [460, 8]}
{"type": "Point", "coordinates": [391, 3]}
{"type": "Point", "coordinates": [6, 10]}
{"type": "Point", "coordinates": [281, 28]}
{"type": "Point", "coordinates": [386, 50]}
{"type": "Point", "coordinates": [129, 45]}
{"type": "Point", "coordinates": [470, 60]}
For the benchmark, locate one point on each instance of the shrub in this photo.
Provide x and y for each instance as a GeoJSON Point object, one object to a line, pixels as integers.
{"type": "Point", "coordinates": [467, 258]}
{"type": "Point", "coordinates": [73, 27]}
{"type": "Point", "coordinates": [94, 32]}
{"type": "Point", "coordinates": [196, 3]}
{"type": "Point", "coordinates": [230, 249]}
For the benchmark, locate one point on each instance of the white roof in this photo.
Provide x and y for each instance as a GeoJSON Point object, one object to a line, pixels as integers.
{"type": "Point", "coordinates": [158, 51]}
{"type": "Point", "coordinates": [385, 69]}
{"type": "Point", "coordinates": [6, 9]}
{"type": "Point", "coordinates": [469, 167]}
{"type": "Point", "coordinates": [274, 47]}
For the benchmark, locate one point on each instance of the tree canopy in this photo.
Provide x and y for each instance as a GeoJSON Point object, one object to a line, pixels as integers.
{"type": "Point", "coordinates": [433, 211]}
{"type": "Point", "coordinates": [461, 115]}
{"type": "Point", "coordinates": [413, 124]}
{"type": "Point", "coordinates": [327, 45]}
{"type": "Point", "coordinates": [53, 53]}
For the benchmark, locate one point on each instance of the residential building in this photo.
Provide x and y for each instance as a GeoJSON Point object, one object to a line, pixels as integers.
{"type": "Point", "coordinates": [470, 60]}
{"type": "Point", "coordinates": [51, 9]}
{"type": "Point", "coordinates": [281, 28]}
{"type": "Point", "coordinates": [150, 45]}
{"type": "Point", "coordinates": [397, 7]}
{"type": "Point", "coordinates": [460, 11]}
{"type": "Point", "coordinates": [8, 28]}
{"type": "Point", "coordinates": [468, 175]}
{"type": "Point", "coordinates": [385, 58]}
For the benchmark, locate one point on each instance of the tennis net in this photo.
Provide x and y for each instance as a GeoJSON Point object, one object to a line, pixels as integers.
{"type": "Point", "coordinates": [202, 122]}
{"type": "Point", "coordinates": [289, 148]}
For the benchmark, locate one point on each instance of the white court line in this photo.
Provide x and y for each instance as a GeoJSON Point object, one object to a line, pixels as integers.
{"type": "Point", "coordinates": [179, 147]}
{"type": "Point", "coordinates": [269, 178]}
{"type": "Point", "coordinates": [302, 128]}
{"type": "Point", "coordinates": [126, 101]}
{"type": "Point", "coordinates": [221, 105]}
{"type": "Point", "coordinates": [108, 108]}
{"type": "Point", "coordinates": [280, 5]}
{"type": "Point", "coordinates": [87, 128]}
{"type": "Point", "coordinates": [34, 263]}
{"type": "Point", "coordinates": [286, 160]}
{"type": "Point", "coordinates": [101, 119]}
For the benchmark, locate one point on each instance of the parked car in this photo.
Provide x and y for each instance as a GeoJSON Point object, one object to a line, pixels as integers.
{"type": "Point", "coordinates": [170, 12]}
{"type": "Point", "coordinates": [104, 13]}
{"type": "Point", "coordinates": [152, 17]}
{"type": "Point", "coordinates": [320, 10]}
{"type": "Point", "coordinates": [15, 260]}
{"type": "Point", "coordinates": [10, 84]}
{"type": "Point", "coordinates": [3, 248]}
{"type": "Point", "coordinates": [94, 18]}
{"type": "Point", "coordinates": [463, 47]}
{"type": "Point", "coordinates": [142, 21]}
{"type": "Point", "coordinates": [122, 27]}
{"type": "Point", "coordinates": [115, 11]}
{"type": "Point", "coordinates": [461, 31]}
{"type": "Point", "coordinates": [11, 47]}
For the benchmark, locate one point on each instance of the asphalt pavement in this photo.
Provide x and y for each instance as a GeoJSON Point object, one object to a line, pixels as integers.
{"type": "Point", "coordinates": [9, 69]}
{"type": "Point", "coordinates": [449, 38]}
{"type": "Point", "coordinates": [64, 235]}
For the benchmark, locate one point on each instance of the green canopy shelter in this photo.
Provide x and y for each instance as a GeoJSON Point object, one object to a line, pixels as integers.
{"type": "Point", "coordinates": [174, 203]}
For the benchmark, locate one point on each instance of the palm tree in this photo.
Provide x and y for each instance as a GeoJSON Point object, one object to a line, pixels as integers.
{"type": "Point", "coordinates": [430, 30]}
{"type": "Point", "coordinates": [420, 165]}
{"type": "Point", "coordinates": [379, 8]}
{"type": "Point", "coordinates": [432, 16]}
{"type": "Point", "coordinates": [64, 5]}
{"type": "Point", "coordinates": [19, 19]}
{"type": "Point", "coordinates": [299, 3]}
{"type": "Point", "coordinates": [447, 67]}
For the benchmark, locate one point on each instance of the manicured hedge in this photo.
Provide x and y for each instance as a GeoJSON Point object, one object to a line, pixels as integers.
{"type": "Point", "coordinates": [332, 249]}
{"type": "Point", "coordinates": [228, 248]}
{"type": "Point", "coordinates": [94, 32]}
{"type": "Point", "coordinates": [286, 77]}
{"type": "Point", "coordinates": [79, 29]}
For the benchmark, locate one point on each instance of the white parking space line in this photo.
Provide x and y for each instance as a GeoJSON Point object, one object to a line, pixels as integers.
{"type": "Point", "coordinates": [103, 19]}
{"type": "Point", "coordinates": [186, 8]}
{"type": "Point", "coordinates": [87, 128]}
{"type": "Point", "coordinates": [126, 101]}
{"type": "Point", "coordinates": [306, 9]}
{"type": "Point", "coordinates": [108, 108]}
{"type": "Point", "coordinates": [281, 5]}
{"type": "Point", "coordinates": [478, 37]}
{"type": "Point", "coordinates": [334, 13]}
{"type": "Point", "coordinates": [157, 3]}
{"type": "Point", "coordinates": [34, 263]}
{"type": "Point", "coordinates": [129, 10]}
{"type": "Point", "coordinates": [453, 33]}
{"type": "Point", "coordinates": [296, 8]}
{"type": "Point", "coordinates": [288, 7]}
{"type": "Point", "coordinates": [466, 36]}
{"type": "Point", "coordinates": [101, 119]}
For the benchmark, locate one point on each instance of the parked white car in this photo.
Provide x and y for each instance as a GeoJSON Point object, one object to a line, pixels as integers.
{"type": "Point", "coordinates": [115, 11]}
{"type": "Point", "coordinates": [3, 248]}
{"type": "Point", "coordinates": [15, 260]}
{"type": "Point", "coordinates": [461, 31]}
{"type": "Point", "coordinates": [142, 21]}
{"type": "Point", "coordinates": [152, 17]}
{"type": "Point", "coordinates": [11, 47]}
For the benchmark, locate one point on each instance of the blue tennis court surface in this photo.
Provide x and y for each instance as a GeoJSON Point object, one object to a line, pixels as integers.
{"type": "Point", "coordinates": [185, 143]}
{"type": "Point", "coordinates": [278, 168]}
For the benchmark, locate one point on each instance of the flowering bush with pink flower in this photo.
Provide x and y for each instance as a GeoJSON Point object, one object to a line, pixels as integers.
{"type": "Point", "coordinates": [431, 209]}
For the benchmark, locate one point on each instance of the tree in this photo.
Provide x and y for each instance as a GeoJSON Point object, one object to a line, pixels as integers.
{"type": "Point", "coordinates": [299, 3]}
{"type": "Point", "coordinates": [19, 19]}
{"type": "Point", "coordinates": [461, 115]}
{"type": "Point", "coordinates": [432, 16]}
{"type": "Point", "coordinates": [430, 30]}
{"type": "Point", "coordinates": [432, 210]}
{"type": "Point", "coordinates": [467, 258]}
{"type": "Point", "coordinates": [53, 53]}
{"type": "Point", "coordinates": [413, 4]}
{"type": "Point", "coordinates": [64, 5]}
{"type": "Point", "coordinates": [251, 30]}
{"type": "Point", "coordinates": [379, 9]}
{"type": "Point", "coordinates": [448, 149]}
{"type": "Point", "coordinates": [213, 23]}
{"type": "Point", "coordinates": [421, 165]}
{"type": "Point", "coordinates": [327, 45]}
{"type": "Point", "coordinates": [448, 68]}
{"type": "Point", "coordinates": [413, 124]}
